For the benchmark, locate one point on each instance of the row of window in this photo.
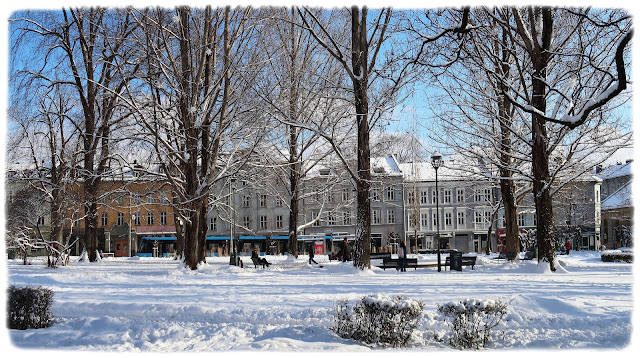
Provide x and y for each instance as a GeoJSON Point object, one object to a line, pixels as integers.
{"type": "Point", "coordinates": [149, 218]}
{"type": "Point", "coordinates": [447, 195]}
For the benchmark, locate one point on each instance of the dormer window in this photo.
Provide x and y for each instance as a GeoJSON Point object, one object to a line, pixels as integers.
{"type": "Point", "coordinates": [325, 171]}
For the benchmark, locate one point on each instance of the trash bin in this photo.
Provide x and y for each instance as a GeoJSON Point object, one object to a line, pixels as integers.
{"type": "Point", "coordinates": [456, 260]}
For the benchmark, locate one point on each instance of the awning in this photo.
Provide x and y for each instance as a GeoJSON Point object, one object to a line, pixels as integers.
{"type": "Point", "coordinates": [280, 237]}
{"type": "Point", "coordinates": [217, 238]}
{"type": "Point", "coordinates": [159, 238]}
{"type": "Point", "coordinates": [253, 237]}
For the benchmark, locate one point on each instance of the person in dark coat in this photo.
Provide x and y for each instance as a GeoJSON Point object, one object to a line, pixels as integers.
{"type": "Point", "coordinates": [312, 254]}
{"type": "Point", "coordinates": [346, 250]}
{"type": "Point", "coordinates": [402, 255]}
{"type": "Point", "coordinates": [255, 257]}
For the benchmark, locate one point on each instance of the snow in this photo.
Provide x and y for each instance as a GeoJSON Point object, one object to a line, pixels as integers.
{"type": "Point", "coordinates": [157, 305]}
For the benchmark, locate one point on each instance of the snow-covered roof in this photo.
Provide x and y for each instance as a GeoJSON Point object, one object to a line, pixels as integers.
{"type": "Point", "coordinates": [616, 171]}
{"type": "Point", "coordinates": [385, 165]}
{"type": "Point", "coordinates": [423, 171]}
{"type": "Point", "coordinates": [620, 198]}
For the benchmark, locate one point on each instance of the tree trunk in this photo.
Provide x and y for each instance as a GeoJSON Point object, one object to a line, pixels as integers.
{"type": "Point", "coordinates": [294, 162]}
{"type": "Point", "coordinates": [542, 180]}
{"type": "Point", "coordinates": [359, 57]}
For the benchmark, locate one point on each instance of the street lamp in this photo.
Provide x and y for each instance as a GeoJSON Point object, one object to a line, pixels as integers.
{"type": "Point", "coordinates": [131, 217]}
{"type": "Point", "coordinates": [436, 162]}
{"type": "Point", "coordinates": [233, 258]}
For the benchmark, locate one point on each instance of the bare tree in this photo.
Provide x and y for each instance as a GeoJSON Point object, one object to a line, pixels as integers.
{"type": "Point", "coordinates": [192, 113]}
{"type": "Point", "coordinates": [87, 49]}
{"type": "Point", "coordinates": [375, 74]}
{"type": "Point", "coordinates": [579, 68]}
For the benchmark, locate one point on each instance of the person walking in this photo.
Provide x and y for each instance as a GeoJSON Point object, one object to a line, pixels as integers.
{"type": "Point", "coordinates": [312, 254]}
{"type": "Point", "coordinates": [346, 250]}
{"type": "Point", "coordinates": [402, 255]}
{"type": "Point", "coordinates": [567, 246]}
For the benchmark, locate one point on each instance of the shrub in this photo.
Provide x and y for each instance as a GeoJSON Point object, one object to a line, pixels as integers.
{"type": "Point", "coordinates": [29, 307]}
{"type": "Point", "coordinates": [378, 319]}
{"type": "Point", "coordinates": [472, 321]}
{"type": "Point", "coordinates": [617, 256]}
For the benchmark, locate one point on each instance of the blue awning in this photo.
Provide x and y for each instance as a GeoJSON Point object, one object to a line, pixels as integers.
{"type": "Point", "coordinates": [217, 238]}
{"type": "Point", "coordinates": [253, 237]}
{"type": "Point", "coordinates": [159, 238]}
{"type": "Point", "coordinates": [280, 237]}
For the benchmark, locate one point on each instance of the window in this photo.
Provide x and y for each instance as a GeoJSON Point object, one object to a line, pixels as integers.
{"type": "Point", "coordinates": [263, 200]}
{"type": "Point", "coordinates": [213, 224]}
{"type": "Point", "coordinates": [330, 197]}
{"type": "Point", "coordinates": [434, 220]}
{"type": "Point", "coordinates": [150, 218]}
{"type": "Point", "coordinates": [279, 202]}
{"type": "Point", "coordinates": [151, 199]}
{"type": "Point", "coordinates": [136, 197]}
{"type": "Point", "coordinates": [331, 218]}
{"type": "Point", "coordinates": [136, 218]}
{"type": "Point", "coordinates": [487, 218]}
{"type": "Point", "coordinates": [104, 219]}
{"type": "Point", "coordinates": [314, 216]}
{"type": "Point", "coordinates": [410, 196]}
{"type": "Point", "coordinates": [447, 196]}
{"type": "Point", "coordinates": [521, 221]}
{"type": "Point", "coordinates": [246, 201]}
{"type": "Point", "coordinates": [41, 220]}
{"type": "Point", "coordinates": [487, 195]}
{"type": "Point", "coordinates": [346, 217]}
{"type": "Point", "coordinates": [477, 197]}
{"type": "Point", "coordinates": [460, 195]}
{"type": "Point", "coordinates": [433, 196]}
{"type": "Point", "coordinates": [424, 217]}
{"type": "Point", "coordinates": [279, 221]}
{"type": "Point", "coordinates": [163, 218]}
{"type": "Point", "coordinates": [413, 220]}
{"type": "Point", "coordinates": [345, 194]}
{"type": "Point", "coordinates": [424, 197]}
{"type": "Point", "coordinates": [376, 216]}
{"type": "Point", "coordinates": [391, 216]}
{"type": "Point", "coordinates": [263, 222]}
{"type": "Point", "coordinates": [120, 219]}
{"type": "Point", "coordinates": [477, 217]}
{"type": "Point", "coordinates": [460, 219]}
{"type": "Point", "coordinates": [375, 194]}
{"type": "Point", "coordinates": [120, 199]}
{"type": "Point", "coordinates": [448, 219]}
{"type": "Point", "coordinates": [391, 193]}
{"type": "Point", "coordinates": [246, 221]}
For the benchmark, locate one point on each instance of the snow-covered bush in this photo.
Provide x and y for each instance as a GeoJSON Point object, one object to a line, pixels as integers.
{"type": "Point", "coordinates": [617, 256]}
{"type": "Point", "coordinates": [472, 320]}
{"type": "Point", "coordinates": [29, 307]}
{"type": "Point", "coordinates": [378, 319]}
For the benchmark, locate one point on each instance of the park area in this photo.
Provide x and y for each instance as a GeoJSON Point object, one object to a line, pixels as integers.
{"type": "Point", "coordinates": [156, 305]}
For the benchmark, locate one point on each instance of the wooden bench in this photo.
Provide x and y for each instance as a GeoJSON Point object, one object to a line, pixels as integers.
{"type": "Point", "coordinates": [257, 261]}
{"type": "Point", "coordinates": [395, 263]}
{"type": "Point", "coordinates": [507, 255]}
{"type": "Point", "coordinates": [466, 261]}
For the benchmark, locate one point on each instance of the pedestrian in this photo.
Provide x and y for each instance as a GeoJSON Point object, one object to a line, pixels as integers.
{"type": "Point", "coordinates": [257, 260]}
{"type": "Point", "coordinates": [311, 254]}
{"type": "Point", "coordinates": [567, 246]}
{"type": "Point", "coordinates": [402, 255]}
{"type": "Point", "coordinates": [346, 250]}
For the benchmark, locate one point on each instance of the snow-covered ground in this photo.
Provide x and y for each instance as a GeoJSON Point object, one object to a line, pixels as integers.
{"type": "Point", "coordinates": [154, 305]}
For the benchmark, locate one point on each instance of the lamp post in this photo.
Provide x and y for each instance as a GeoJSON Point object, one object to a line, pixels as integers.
{"type": "Point", "coordinates": [436, 162]}
{"type": "Point", "coordinates": [131, 217]}
{"type": "Point", "coordinates": [233, 258]}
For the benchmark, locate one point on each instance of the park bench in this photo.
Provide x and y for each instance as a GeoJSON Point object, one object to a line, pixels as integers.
{"type": "Point", "coordinates": [256, 262]}
{"type": "Point", "coordinates": [506, 255]}
{"type": "Point", "coordinates": [395, 263]}
{"type": "Point", "coordinates": [529, 255]}
{"type": "Point", "coordinates": [466, 261]}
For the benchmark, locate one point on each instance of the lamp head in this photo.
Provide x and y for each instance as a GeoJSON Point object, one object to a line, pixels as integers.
{"type": "Point", "coordinates": [436, 160]}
